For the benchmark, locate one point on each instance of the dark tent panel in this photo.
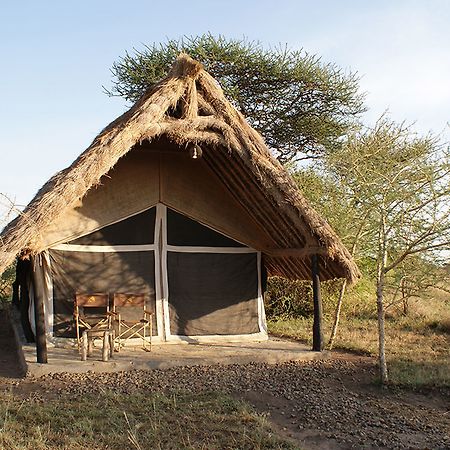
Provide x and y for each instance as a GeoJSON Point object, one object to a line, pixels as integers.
{"type": "Point", "coordinates": [213, 293]}
{"type": "Point", "coordinates": [88, 272]}
{"type": "Point", "coordinates": [210, 291]}
{"type": "Point", "coordinates": [183, 231]}
{"type": "Point", "coordinates": [135, 230]}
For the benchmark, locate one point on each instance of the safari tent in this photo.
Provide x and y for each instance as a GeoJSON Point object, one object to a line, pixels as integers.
{"type": "Point", "coordinates": [178, 198]}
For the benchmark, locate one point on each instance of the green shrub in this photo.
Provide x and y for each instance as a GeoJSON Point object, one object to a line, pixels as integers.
{"type": "Point", "coordinates": [287, 299]}
{"type": "Point", "coordinates": [6, 280]}
{"type": "Point", "coordinates": [360, 301]}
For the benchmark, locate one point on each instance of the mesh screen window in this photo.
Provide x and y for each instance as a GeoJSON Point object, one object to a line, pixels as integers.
{"type": "Point", "coordinates": [136, 230]}
{"type": "Point", "coordinates": [86, 272]}
{"type": "Point", "coordinates": [183, 231]}
{"type": "Point", "coordinates": [212, 293]}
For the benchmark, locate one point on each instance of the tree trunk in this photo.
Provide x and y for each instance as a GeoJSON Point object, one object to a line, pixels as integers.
{"type": "Point", "coordinates": [404, 299]}
{"type": "Point", "coordinates": [381, 333]}
{"type": "Point", "coordinates": [381, 265]}
{"type": "Point", "coordinates": [337, 315]}
{"type": "Point", "coordinates": [405, 306]}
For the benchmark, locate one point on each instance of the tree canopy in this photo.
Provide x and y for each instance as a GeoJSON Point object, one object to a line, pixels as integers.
{"type": "Point", "coordinates": [302, 106]}
{"type": "Point", "coordinates": [400, 183]}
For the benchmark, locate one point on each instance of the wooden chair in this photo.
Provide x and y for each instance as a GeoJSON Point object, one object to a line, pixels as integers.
{"type": "Point", "coordinates": [131, 319]}
{"type": "Point", "coordinates": [92, 318]}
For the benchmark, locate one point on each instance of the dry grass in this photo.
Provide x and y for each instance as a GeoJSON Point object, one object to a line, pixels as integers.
{"type": "Point", "coordinates": [206, 421]}
{"type": "Point", "coordinates": [417, 346]}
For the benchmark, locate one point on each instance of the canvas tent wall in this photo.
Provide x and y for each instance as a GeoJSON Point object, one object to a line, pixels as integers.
{"type": "Point", "coordinates": [238, 189]}
{"type": "Point", "coordinates": [201, 283]}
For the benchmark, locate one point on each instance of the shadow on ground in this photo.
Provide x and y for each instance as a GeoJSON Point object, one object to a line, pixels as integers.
{"type": "Point", "coordinates": [10, 366]}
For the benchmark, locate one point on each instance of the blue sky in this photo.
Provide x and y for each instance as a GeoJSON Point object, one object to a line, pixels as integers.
{"type": "Point", "coordinates": [57, 55]}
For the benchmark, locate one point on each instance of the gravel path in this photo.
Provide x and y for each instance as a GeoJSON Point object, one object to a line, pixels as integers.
{"type": "Point", "coordinates": [321, 404]}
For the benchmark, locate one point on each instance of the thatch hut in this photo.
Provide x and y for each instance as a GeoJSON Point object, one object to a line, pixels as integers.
{"type": "Point", "coordinates": [178, 197]}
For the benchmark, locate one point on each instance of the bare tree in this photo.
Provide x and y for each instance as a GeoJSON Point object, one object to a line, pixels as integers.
{"type": "Point", "coordinates": [8, 210]}
{"type": "Point", "coordinates": [402, 182]}
{"type": "Point", "coordinates": [416, 277]}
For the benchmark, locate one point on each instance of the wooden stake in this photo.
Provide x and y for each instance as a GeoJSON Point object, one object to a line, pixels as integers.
{"type": "Point", "coordinates": [317, 326]}
{"type": "Point", "coordinates": [105, 350]}
{"type": "Point", "coordinates": [84, 346]}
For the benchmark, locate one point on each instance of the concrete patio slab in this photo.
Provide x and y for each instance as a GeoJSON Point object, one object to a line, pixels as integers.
{"type": "Point", "coordinates": [163, 356]}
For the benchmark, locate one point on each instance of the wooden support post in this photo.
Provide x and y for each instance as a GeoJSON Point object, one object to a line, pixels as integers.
{"type": "Point", "coordinates": [317, 299]}
{"type": "Point", "coordinates": [84, 346]}
{"type": "Point", "coordinates": [105, 350]}
{"type": "Point", "coordinates": [39, 320]}
{"type": "Point", "coordinates": [151, 330]}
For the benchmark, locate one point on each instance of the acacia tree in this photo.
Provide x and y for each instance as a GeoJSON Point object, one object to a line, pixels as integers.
{"type": "Point", "coordinates": [299, 104]}
{"type": "Point", "coordinates": [347, 218]}
{"type": "Point", "coordinates": [402, 181]}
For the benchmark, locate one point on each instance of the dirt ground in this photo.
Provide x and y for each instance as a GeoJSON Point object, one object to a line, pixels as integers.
{"type": "Point", "coordinates": [330, 404]}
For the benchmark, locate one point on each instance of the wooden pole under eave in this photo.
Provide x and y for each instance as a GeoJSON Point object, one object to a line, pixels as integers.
{"type": "Point", "coordinates": [39, 320]}
{"type": "Point", "coordinates": [317, 299]}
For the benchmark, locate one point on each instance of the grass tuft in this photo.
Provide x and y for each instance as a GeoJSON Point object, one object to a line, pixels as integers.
{"type": "Point", "coordinates": [118, 421]}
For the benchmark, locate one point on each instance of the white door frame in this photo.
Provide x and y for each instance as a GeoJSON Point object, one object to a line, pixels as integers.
{"type": "Point", "coordinates": [164, 292]}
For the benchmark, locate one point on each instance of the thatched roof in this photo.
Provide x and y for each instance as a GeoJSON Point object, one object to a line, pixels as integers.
{"type": "Point", "coordinates": [188, 107]}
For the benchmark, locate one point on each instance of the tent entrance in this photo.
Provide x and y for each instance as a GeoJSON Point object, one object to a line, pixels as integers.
{"type": "Point", "coordinates": [201, 284]}
{"type": "Point", "coordinates": [211, 284]}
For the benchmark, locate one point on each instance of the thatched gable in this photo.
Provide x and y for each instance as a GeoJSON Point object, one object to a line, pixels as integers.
{"type": "Point", "coordinates": [187, 108]}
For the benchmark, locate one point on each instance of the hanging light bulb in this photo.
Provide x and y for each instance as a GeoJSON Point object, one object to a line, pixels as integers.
{"type": "Point", "coordinates": [195, 151]}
